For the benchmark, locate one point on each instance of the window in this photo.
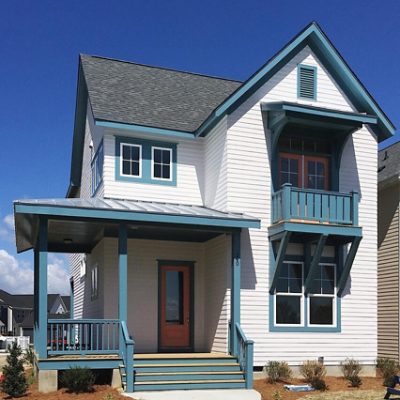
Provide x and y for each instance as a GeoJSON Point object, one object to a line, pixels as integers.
{"type": "Point", "coordinates": [145, 161]}
{"type": "Point", "coordinates": [289, 295]}
{"type": "Point", "coordinates": [97, 168]}
{"type": "Point", "coordinates": [293, 308]}
{"type": "Point", "coordinates": [82, 266]}
{"type": "Point", "coordinates": [161, 163]}
{"type": "Point", "coordinates": [322, 298]}
{"type": "Point", "coordinates": [94, 282]}
{"type": "Point", "coordinates": [131, 160]}
{"type": "Point", "coordinates": [307, 82]}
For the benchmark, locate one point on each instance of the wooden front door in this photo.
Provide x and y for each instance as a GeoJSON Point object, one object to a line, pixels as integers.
{"type": "Point", "coordinates": [175, 325]}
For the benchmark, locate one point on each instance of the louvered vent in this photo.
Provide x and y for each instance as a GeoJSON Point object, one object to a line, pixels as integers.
{"type": "Point", "coordinates": [307, 82]}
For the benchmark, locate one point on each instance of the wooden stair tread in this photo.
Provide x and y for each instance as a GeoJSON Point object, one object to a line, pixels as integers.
{"type": "Point", "coordinates": [189, 373]}
{"type": "Point", "coordinates": [185, 365]}
{"type": "Point", "coordinates": [189, 382]}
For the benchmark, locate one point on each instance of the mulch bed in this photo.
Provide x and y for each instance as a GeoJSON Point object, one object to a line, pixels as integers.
{"type": "Point", "coordinates": [334, 385]}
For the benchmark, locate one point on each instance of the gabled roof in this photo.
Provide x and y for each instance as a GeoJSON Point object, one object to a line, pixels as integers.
{"type": "Point", "coordinates": [169, 100]}
{"type": "Point", "coordinates": [389, 163]}
{"type": "Point", "coordinates": [139, 94]}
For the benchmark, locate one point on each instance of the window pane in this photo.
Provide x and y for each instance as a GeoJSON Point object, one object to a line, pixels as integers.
{"type": "Point", "coordinates": [126, 167]}
{"type": "Point", "coordinates": [135, 169]}
{"type": "Point", "coordinates": [165, 172]}
{"type": "Point", "coordinates": [295, 271]}
{"type": "Point", "coordinates": [135, 153]}
{"type": "Point", "coordinates": [320, 183]}
{"type": "Point", "coordinates": [166, 157]}
{"type": "Point", "coordinates": [327, 287]}
{"type": "Point", "coordinates": [284, 178]}
{"type": "Point", "coordinates": [321, 310]}
{"type": "Point", "coordinates": [174, 300]}
{"type": "Point", "coordinates": [284, 165]}
{"type": "Point", "coordinates": [126, 153]}
{"type": "Point", "coordinates": [328, 272]}
{"type": "Point", "coordinates": [294, 179]}
{"type": "Point", "coordinates": [295, 285]}
{"type": "Point", "coordinates": [288, 310]}
{"type": "Point", "coordinates": [157, 156]}
{"type": "Point", "coordinates": [320, 169]}
{"type": "Point", "coordinates": [282, 285]}
{"type": "Point", "coordinates": [311, 184]}
{"type": "Point", "coordinates": [294, 166]}
{"type": "Point", "coordinates": [157, 171]}
{"type": "Point", "coordinates": [284, 273]}
{"type": "Point", "coordinates": [311, 167]}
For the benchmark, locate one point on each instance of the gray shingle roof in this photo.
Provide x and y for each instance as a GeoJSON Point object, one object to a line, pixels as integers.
{"type": "Point", "coordinates": [158, 97]}
{"type": "Point", "coordinates": [389, 162]}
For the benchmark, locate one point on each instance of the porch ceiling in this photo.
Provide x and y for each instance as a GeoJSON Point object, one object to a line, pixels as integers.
{"type": "Point", "coordinates": [77, 225]}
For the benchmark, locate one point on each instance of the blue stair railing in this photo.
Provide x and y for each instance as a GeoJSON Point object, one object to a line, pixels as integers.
{"type": "Point", "coordinates": [127, 349]}
{"type": "Point", "coordinates": [244, 353]}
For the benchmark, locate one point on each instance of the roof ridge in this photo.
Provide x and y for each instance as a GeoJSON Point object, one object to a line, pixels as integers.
{"type": "Point", "coordinates": [161, 68]}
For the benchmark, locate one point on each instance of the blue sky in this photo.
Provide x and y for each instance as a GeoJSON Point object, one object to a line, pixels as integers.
{"type": "Point", "coordinates": [39, 46]}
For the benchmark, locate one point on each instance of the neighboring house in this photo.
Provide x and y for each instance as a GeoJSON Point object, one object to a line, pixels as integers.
{"type": "Point", "coordinates": [16, 312]}
{"type": "Point", "coordinates": [388, 252]}
{"type": "Point", "coordinates": [203, 210]}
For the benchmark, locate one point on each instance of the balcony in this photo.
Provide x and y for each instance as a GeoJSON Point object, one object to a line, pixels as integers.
{"type": "Point", "coordinates": [314, 206]}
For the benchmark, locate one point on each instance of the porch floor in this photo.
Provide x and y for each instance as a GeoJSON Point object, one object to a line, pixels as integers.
{"type": "Point", "coordinates": [141, 356]}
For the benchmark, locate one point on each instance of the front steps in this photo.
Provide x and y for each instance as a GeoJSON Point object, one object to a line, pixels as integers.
{"type": "Point", "coordinates": [186, 371]}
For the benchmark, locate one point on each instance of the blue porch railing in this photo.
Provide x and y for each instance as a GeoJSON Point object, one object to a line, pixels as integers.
{"type": "Point", "coordinates": [244, 352]}
{"type": "Point", "coordinates": [314, 205]}
{"type": "Point", "coordinates": [83, 336]}
{"type": "Point", "coordinates": [127, 352]}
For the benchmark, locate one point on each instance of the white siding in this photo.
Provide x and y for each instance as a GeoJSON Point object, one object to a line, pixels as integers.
{"type": "Point", "coordinates": [143, 287]}
{"type": "Point", "coordinates": [249, 191]}
{"type": "Point", "coordinates": [189, 175]}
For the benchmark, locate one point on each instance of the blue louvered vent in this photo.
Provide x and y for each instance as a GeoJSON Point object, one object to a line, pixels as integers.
{"type": "Point", "coordinates": [307, 82]}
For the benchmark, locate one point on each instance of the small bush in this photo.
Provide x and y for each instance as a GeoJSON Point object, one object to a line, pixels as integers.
{"type": "Point", "coordinates": [351, 370]}
{"type": "Point", "coordinates": [78, 380]}
{"type": "Point", "coordinates": [14, 382]}
{"type": "Point", "coordinates": [276, 395]}
{"type": "Point", "coordinates": [388, 369]}
{"type": "Point", "coordinates": [29, 356]}
{"type": "Point", "coordinates": [278, 371]}
{"type": "Point", "coordinates": [314, 373]}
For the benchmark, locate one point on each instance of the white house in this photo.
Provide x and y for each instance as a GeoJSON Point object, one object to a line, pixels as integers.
{"type": "Point", "coordinates": [214, 224]}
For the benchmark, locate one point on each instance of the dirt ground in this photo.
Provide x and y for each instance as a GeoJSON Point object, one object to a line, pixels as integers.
{"type": "Point", "coordinates": [335, 386]}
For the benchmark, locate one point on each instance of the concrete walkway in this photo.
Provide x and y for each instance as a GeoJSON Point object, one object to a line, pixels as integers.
{"type": "Point", "coordinates": [221, 394]}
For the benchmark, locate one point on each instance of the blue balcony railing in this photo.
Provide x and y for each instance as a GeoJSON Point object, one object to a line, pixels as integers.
{"type": "Point", "coordinates": [292, 203]}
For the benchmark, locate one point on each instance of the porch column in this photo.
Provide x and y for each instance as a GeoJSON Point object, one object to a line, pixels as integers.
{"type": "Point", "coordinates": [40, 290]}
{"type": "Point", "coordinates": [123, 278]}
{"type": "Point", "coordinates": [235, 291]}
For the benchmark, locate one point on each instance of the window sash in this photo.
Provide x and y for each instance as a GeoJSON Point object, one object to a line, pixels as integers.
{"type": "Point", "coordinates": [300, 295]}
{"type": "Point", "coordinates": [97, 167]}
{"type": "Point", "coordinates": [162, 163]}
{"type": "Point", "coordinates": [121, 159]}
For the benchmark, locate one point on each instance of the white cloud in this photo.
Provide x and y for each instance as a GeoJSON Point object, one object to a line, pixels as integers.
{"type": "Point", "coordinates": [17, 276]}
{"type": "Point", "coordinates": [7, 228]}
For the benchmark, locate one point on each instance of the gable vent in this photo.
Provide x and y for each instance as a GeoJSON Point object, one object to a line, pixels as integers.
{"type": "Point", "coordinates": [307, 81]}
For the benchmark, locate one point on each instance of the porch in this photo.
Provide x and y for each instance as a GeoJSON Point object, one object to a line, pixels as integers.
{"type": "Point", "coordinates": [75, 226]}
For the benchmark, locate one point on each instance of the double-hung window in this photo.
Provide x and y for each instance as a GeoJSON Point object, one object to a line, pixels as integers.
{"type": "Point", "coordinates": [131, 160]}
{"type": "Point", "coordinates": [97, 168]}
{"type": "Point", "coordinates": [289, 295]}
{"type": "Point", "coordinates": [322, 297]}
{"type": "Point", "coordinates": [161, 163]}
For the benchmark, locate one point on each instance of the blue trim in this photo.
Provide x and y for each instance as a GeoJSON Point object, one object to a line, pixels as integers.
{"type": "Point", "coordinates": [86, 213]}
{"type": "Point", "coordinates": [146, 129]}
{"type": "Point", "coordinates": [315, 228]}
{"type": "Point", "coordinates": [48, 364]}
{"type": "Point", "coordinates": [311, 68]}
{"type": "Point", "coordinates": [319, 112]}
{"type": "Point", "coordinates": [146, 162]}
{"type": "Point", "coordinates": [122, 280]}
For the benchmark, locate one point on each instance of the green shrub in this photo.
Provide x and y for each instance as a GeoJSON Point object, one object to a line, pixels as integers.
{"type": "Point", "coordinates": [314, 373]}
{"type": "Point", "coordinates": [278, 371]}
{"type": "Point", "coordinates": [29, 356]}
{"type": "Point", "coordinates": [78, 380]}
{"type": "Point", "coordinates": [276, 395]}
{"type": "Point", "coordinates": [388, 369]}
{"type": "Point", "coordinates": [14, 382]}
{"type": "Point", "coordinates": [351, 370]}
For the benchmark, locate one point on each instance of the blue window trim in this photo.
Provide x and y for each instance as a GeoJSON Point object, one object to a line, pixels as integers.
{"type": "Point", "coordinates": [306, 327]}
{"type": "Point", "coordinates": [310, 68]}
{"type": "Point", "coordinates": [146, 161]}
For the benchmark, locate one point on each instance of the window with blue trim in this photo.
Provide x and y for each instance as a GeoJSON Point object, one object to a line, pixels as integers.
{"type": "Point", "coordinates": [293, 308]}
{"type": "Point", "coordinates": [145, 161]}
{"type": "Point", "coordinates": [97, 168]}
